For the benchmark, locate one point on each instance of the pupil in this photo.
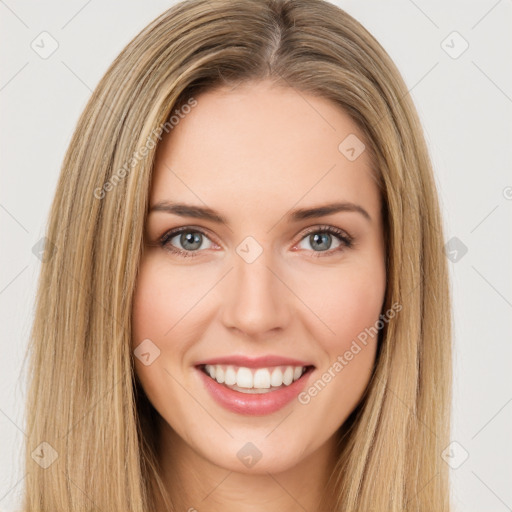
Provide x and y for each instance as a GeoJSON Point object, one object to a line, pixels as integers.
{"type": "Point", "coordinates": [324, 236]}
{"type": "Point", "coordinates": [191, 238]}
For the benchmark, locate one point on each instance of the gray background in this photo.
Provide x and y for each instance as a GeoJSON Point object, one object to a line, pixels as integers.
{"type": "Point", "coordinates": [465, 104]}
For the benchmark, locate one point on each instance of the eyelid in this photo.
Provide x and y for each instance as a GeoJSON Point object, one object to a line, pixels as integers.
{"type": "Point", "coordinates": [326, 228]}
{"type": "Point", "coordinates": [163, 241]}
{"type": "Point", "coordinates": [171, 233]}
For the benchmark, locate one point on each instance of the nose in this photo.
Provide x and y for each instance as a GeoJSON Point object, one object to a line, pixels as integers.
{"type": "Point", "coordinates": [256, 301]}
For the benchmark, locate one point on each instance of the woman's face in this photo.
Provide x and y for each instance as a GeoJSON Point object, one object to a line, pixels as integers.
{"type": "Point", "coordinates": [266, 281]}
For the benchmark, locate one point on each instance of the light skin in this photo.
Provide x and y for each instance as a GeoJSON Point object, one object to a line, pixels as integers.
{"type": "Point", "coordinates": [252, 154]}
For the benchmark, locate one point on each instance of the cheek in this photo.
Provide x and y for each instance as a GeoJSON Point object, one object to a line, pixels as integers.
{"type": "Point", "coordinates": [148, 318]}
{"type": "Point", "coordinates": [152, 318]}
{"type": "Point", "coordinates": [351, 310]}
{"type": "Point", "coordinates": [355, 307]}
{"type": "Point", "coordinates": [349, 301]}
{"type": "Point", "coordinates": [167, 310]}
{"type": "Point", "coordinates": [156, 312]}
{"type": "Point", "coordinates": [165, 301]}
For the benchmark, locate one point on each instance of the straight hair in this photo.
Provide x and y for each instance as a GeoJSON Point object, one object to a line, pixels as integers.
{"type": "Point", "coordinates": [84, 400]}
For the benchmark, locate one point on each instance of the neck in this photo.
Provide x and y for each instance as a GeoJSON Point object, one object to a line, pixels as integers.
{"type": "Point", "coordinates": [195, 484]}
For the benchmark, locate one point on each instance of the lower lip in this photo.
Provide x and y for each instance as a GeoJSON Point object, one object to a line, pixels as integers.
{"type": "Point", "coordinates": [254, 404]}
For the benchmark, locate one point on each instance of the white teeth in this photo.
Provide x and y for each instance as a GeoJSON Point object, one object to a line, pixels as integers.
{"type": "Point", "coordinates": [219, 374]}
{"type": "Point", "coordinates": [277, 378]}
{"type": "Point", "coordinates": [211, 370]}
{"type": "Point", "coordinates": [230, 376]}
{"type": "Point", "coordinates": [261, 379]}
{"type": "Point", "coordinates": [258, 379]}
{"type": "Point", "coordinates": [244, 378]}
{"type": "Point", "coordinates": [288, 376]}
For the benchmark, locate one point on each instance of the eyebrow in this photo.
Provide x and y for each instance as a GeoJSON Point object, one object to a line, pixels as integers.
{"type": "Point", "coordinates": [201, 212]}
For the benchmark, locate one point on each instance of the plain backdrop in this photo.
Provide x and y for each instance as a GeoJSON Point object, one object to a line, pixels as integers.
{"type": "Point", "coordinates": [464, 98]}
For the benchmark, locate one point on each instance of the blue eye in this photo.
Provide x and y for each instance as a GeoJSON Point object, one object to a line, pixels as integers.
{"type": "Point", "coordinates": [319, 237]}
{"type": "Point", "coordinates": [192, 240]}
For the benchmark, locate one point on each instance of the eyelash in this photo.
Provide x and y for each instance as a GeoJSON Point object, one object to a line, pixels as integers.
{"type": "Point", "coordinates": [345, 239]}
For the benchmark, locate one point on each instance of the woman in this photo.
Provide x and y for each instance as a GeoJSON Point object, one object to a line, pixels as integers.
{"type": "Point", "coordinates": [247, 306]}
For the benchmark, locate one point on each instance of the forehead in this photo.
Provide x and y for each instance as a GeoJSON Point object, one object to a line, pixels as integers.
{"type": "Point", "coordinates": [257, 146]}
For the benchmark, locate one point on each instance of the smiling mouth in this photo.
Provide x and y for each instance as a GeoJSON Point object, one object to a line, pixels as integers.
{"type": "Point", "coordinates": [255, 380]}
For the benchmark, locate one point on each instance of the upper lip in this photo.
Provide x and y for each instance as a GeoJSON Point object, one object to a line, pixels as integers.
{"type": "Point", "coordinates": [254, 362]}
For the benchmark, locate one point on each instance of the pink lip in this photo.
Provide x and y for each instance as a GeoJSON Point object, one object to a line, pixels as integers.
{"type": "Point", "coordinates": [255, 362]}
{"type": "Point", "coordinates": [254, 404]}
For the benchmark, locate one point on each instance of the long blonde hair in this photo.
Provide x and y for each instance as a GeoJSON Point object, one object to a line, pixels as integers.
{"type": "Point", "coordinates": [84, 400]}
